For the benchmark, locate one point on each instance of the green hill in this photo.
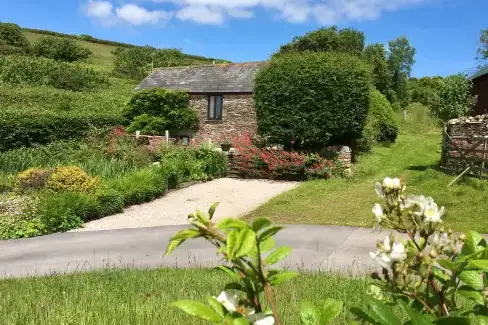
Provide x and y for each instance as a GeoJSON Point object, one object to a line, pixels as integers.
{"type": "Point", "coordinates": [101, 49]}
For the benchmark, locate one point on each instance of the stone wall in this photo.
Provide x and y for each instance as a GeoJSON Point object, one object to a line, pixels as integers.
{"type": "Point", "coordinates": [465, 143]}
{"type": "Point", "coordinates": [238, 117]}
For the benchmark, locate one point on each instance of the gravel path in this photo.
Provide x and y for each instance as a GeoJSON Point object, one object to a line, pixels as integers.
{"type": "Point", "coordinates": [237, 197]}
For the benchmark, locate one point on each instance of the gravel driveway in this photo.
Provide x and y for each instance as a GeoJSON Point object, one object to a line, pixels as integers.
{"type": "Point", "coordinates": [236, 196]}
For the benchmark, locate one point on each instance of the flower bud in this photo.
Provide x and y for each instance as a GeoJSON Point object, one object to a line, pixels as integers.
{"type": "Point", "coordinates": [433, 253]}
{"type": "Point", "coordinates": [462, 237]}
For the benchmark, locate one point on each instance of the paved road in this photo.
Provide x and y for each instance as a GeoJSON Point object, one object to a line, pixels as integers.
{"type": "Point", "coordinates": [314, 248]}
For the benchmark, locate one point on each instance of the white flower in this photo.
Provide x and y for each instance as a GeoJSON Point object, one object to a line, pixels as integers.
{"type": "Point", "coordinates": [392, 183]}
{"type": "Point", "coordinates": [260, 319]}
{"type": "Point", "coordinates": [398, 252]}
{"type": "Point", "coordinates": [432, 212]}
{"type": "Point", "coordinates": [379, 190]}
{"type": "Point", "coordinates": [378, 212]}
{"type": "Point", "coordinates": [228, 300]}
{"type": "Point", "coordinates": [382, 259]}
{"type": "Point", "coordinates": [386, 244]}
{"type": "Point", "coordinates": [436, 239]}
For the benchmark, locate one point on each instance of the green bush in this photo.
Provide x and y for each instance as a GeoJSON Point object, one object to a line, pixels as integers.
{"type": "Point", "coordinates": [140, 186]}
{"type": "Point", "coordinates": [321, 97]}
{"type": "Point", "coordinates": [63, 211]}
{"type": "Point", "coordinates": [453, 98]}
{"type": "Point", "coordinates": [137, 62]}
{"type": "Point", "coordinates": [62, 49]}
{"type": "Point", "coordinates": [19, 129]}
{"type": "Point", "coordinates": [153, 111]}
{"type": "Point", "coordinates": [110, 201]}
{"type": "Point", "coordinates": [12, 35]}
{"type": "Point", "coordinates": [381, 125]}
{"type": "Point", "coordinates": [42, 71]}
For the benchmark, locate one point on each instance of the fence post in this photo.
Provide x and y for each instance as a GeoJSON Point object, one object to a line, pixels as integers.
{"type": "Point", "coordinates": [166, 133]}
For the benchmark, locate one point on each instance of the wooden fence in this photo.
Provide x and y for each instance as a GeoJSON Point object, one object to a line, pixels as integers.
{"type": "Point", "coordinates": [465, 146]}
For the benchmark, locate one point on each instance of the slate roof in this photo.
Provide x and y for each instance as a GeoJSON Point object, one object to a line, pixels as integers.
{"type": "Point", "coordinates": [480, 73]}
{"type": "Point", "coordinates": [213, 78]}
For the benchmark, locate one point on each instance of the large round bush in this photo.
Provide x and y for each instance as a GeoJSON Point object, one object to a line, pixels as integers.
{"type": "Point", "coordinates": [381, 125]}
{"type": "Point", "coordinates": [320, 98]}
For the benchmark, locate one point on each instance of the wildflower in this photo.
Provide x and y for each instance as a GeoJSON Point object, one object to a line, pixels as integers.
{"type": "Point", "coordinates": [398, 252]}
{"type": "Point", "coordinates": [229, 301]}
{"type": "Point", "coordinates": [378, 212]}
{"type": "Point", "coordinates": [432, 213]}
{"type": "Point", "coordinates": [388, 253]}
{"type": "Point", "coordinates": [392, 183]}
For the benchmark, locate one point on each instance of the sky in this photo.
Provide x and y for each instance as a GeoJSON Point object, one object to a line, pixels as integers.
{"type": "Point", "coordinates": [445, 33]}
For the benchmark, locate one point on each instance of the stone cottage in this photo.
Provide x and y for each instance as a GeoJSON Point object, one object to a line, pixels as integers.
{"type": "Point", "coordinates": [480, 89]}
{"type": "Point", "coordinates": [221, 93]}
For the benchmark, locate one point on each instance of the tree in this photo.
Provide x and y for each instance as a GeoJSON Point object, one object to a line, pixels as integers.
{"type": "Point", "coordinates": [483, 49]}
{"type": "Point", "coordinates": [453, 98]}
{"type": "Point", "coordinates": [400, 60]}
{"type": "Point", "coordinates": [375, 55]}
{"type": "Point", "coordinates": [330, 39]}
{"type": "Point", "coordinates": [423, 90]}
{"type": "Point", "coordinates": [12, 35]}
{"type": "Point", "coordinates": [307, 95]}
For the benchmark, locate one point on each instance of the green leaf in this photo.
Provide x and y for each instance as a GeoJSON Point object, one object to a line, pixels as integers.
{"type": "Point", "coordinates": [471, 243]}
{"type": "Point", "coordinates": [201, 217]}
{"type": "Point", "coordinates": [278, 255]}
{"type": "Point", "coordinates": [269, 232]}
{"type": "Point", "coordinates": [212, 209]}
{"type": "Point", "coordinates": [471, 294]}
{"type": "Point", "coordinates": [440, 274]}
{"type": "Point", "coordinates": [309, 314]}
{"type": "Point", "coordinates": [330, 310]}
{"type": "Point", "coordinates": [415, 317]}
{"type": "Point", "coordinates": [233, 274]}
{"type": "Point", "coordinates": [448, 265]}
{"type": "Point", "coordinates": [236, 286]}
{"type": "Point", "coordinates": [478, 264]}
{"type": "Point", "coordinates": [232, 244]}
{"type": "Point", "coordinates": [472, 278]}
{"type": "Point", "coordinates": [380, 312]}
{"type": "Point", "coordinates": [186, 234]}
{"type": "Point", "coordinates": [217, 306]}
{"type": "Point", "coordinates": [452, 321]}
{"type": "Point", "coordinates": [231, 223]}
{"type": "Point", "coordinates": [197, 309]}
{"type": "Point", "coordinates": [241, 321]}
{"type": "Point", "coordinates": [173, 244]}
{"type": "Point", "coordinates": [482, 320]}
{"type": "Point", "coordinates": [246, 241]}
{"type": "Point", "coordinates": [260, 223]}
{"type": "Point", "coordinates": [267, 244]}
{"type": "Point", "coordinates": [282, 277]}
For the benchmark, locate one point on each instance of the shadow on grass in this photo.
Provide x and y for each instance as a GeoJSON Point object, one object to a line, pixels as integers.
{"type": "Point", "coordinates": [423, 168]}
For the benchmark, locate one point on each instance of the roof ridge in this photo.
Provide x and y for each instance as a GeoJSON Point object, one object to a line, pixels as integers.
{"type": "Point", "coordinates": [208, 65]}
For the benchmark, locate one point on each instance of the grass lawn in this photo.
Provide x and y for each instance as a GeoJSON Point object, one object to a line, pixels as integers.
{"type": "Point", "coordinates": [414, 157]}
{"type": "Point", "coordinates": [143, 296]}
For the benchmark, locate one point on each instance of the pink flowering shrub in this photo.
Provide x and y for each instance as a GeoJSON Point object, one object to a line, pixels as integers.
{"type": "Point", "coordinates": [276, 163]}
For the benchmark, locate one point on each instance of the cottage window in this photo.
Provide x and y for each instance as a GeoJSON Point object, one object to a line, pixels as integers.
{"type": "Point", "coordinates": [215, 103]}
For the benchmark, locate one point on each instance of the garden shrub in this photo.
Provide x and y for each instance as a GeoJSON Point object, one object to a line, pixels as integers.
{"type": "Point", "coordinates": [62, 49]}
{"type": "Point", "coordinates": [72, 179]}
{"type": "Point", "coordinates": [140, 186]}
{"type": "Point", "coordinates": [27, 70]}
{"type": "Point", "coordinates": [153, 111]}
{"type": "Point", "coordinates": [322, 98]}
{"type": "Point", "coordinates": [381, 125]}
{"type": "Point", "coordinates": [33, 179]}
{"type": "Point", "coordinates": [25, 129]}
{"type": "Point", "coordinates": [11, 34]}
{"type": "Point", "coordinates": [63, 211]}
{"type": "Point", "coordinates": [278, 164]}
{"type": "Point", "coordinates": [110, 201]}
{"type": "Point", "coordinates": [18, 217]}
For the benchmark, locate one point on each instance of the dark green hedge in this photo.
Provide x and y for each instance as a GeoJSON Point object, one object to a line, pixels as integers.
{"type": "Point", "coordinates": [62, 49]}
{"type": "Point", "coordinates": [321, 98]}
{"type": "Point", "coordinates": [27, 129]}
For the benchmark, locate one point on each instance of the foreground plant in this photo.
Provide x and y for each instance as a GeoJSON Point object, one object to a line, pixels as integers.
{"type": "Point", "coordinates": [433, 275]}
{"type": "Point", "coordinates": [243, 246]}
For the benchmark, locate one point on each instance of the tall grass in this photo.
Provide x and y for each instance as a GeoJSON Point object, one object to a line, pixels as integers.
{"type": "Point", "coordinates": [143, 297]}
{"type": "Point", "coordinates": [418, 120]}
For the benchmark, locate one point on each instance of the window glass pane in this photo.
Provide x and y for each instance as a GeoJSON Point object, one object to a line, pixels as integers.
{"type": "Point", "coordinates": [218, 107]}
{"type": "Point", "coordinates": [211, 107]}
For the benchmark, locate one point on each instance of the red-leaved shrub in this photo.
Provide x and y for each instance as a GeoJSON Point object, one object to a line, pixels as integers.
{"type": "Point", "coordinates": [274, 163]}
